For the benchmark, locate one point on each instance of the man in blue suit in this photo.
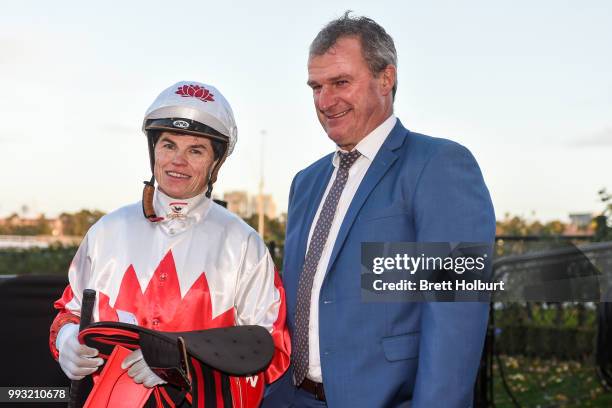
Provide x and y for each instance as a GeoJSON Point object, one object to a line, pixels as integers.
{"type": "Point", "coordinates": [383, 184]}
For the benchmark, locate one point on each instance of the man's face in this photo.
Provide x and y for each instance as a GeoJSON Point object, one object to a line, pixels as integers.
{"type": "Point", "coordinates": [350, 101]}
{"type": "Point", "coordinates": [182, 164]}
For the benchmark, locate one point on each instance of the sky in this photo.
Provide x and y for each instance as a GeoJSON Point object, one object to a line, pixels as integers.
{"type": "Point", "coordinates": [526, 86]}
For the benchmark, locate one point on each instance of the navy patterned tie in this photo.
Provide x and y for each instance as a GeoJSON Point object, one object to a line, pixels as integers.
{"type": "Point", "coordinates": [317, 243]}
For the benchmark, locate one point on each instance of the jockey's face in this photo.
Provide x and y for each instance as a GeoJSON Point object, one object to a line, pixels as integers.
{"type": "Point", "coordinates": [182, 164]}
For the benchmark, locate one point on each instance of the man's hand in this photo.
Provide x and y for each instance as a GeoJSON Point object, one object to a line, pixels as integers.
{"type": "Point", "coordinates": [140, 371]}
{"type": "Point", "coordinates": [76, 360]}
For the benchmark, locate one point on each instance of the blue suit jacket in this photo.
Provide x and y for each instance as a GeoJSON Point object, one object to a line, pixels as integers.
{"type": "Point", "coordinates": [417, 189]}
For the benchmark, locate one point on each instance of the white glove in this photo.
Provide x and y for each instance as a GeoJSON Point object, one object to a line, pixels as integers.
{"type": "Point", "coordinates": [76, 359]}
{"type": "Point", "coordinates": [140, 371]}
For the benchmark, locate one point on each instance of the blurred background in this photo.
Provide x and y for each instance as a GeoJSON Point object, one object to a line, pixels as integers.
{"type": "Point", "coordinates": [525, 86]}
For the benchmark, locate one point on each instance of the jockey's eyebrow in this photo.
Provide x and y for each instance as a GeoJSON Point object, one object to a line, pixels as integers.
{"type": "Point", "coordinates": [167, 140]}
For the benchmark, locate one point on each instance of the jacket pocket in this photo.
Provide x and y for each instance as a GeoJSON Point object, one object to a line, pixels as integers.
{"type": "Point", "coordinates": [402, 347]}
{"type": "Point", "coordinates": [380, 213]}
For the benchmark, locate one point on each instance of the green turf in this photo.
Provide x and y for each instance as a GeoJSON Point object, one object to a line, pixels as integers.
{"type": "Point", "coordinates": [550, 383]}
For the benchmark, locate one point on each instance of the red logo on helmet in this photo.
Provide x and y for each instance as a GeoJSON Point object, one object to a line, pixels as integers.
{"type": "Point", "coordinates": [195, 91]}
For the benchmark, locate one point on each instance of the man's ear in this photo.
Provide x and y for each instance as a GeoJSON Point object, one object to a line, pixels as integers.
{"type": "Point", "coordinates": [387, 77]}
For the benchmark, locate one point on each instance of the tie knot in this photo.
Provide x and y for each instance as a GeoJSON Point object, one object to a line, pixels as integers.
{"type": "Point", "coordinates": [347, 159]}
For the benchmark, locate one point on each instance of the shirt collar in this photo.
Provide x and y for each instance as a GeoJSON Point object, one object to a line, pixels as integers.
{"type": "Point", "coordinates": [179, 214]}
{"type": "Point", "coordinates": [370, 145]}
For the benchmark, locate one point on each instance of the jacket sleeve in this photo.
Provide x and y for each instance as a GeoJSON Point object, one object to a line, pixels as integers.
{"type": "Point", "coordinates": [452, 204]}
{"type": "Point", "coordinates": [69, 305]}
{"type": "Point", "coordinates": [260, 300]}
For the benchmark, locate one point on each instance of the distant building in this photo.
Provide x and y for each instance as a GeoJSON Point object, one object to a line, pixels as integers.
{"type": "Point", "coordinates": [238, 203]}
{"type": "Point", "coordinates": [245, 205]}
{"type": "Point", "coordinates": [57, 227]}
{"type": "Point", "coordinates": [40, 225]}
{"type": "Point", "coordinates": [580, 224]}
{"type": "Point", "coordinates": [269, 206]}
{"type": "Point", "coordinates": [581, 220]}
{"type": "Point", "coordinates": [17, 221]}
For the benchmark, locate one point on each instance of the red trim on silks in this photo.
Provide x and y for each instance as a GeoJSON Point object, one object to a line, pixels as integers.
{"type": "Point", "coordinates": [161, 307]}
{"type": "Point", "coordinates": [67, 295]}
{"type": "Point", "coordinates": [60, 320]}
{"type": "Point", "coordinates": [64, 316]}
{"type": "Point", "coordinates": [280, 336]}
{"type": "Point", "coordinates": [189, 398]}
{"type": "Point", "coordinates": [199, 381]}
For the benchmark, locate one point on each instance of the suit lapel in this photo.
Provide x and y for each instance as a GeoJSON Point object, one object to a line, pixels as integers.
{"type": "Point", "coordinates": [382, 163]}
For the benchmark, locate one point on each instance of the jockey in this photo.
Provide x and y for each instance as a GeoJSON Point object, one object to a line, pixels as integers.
{"type": "Point", "coordinates": [187, 264]}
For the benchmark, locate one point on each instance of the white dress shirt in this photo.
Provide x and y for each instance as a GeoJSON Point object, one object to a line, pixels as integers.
{"type": "Point", "coordinates": [368, 147]}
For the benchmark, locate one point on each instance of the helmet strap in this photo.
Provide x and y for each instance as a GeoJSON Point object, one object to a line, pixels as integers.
{"type": "Point", "coordinates": [147, 200]}
{"type": "Point", "coordinates": [152, 137]}
{"type": "Point", "coordinates": [149, 189]}
{"type": "Point", "coordinates": [215, 172]}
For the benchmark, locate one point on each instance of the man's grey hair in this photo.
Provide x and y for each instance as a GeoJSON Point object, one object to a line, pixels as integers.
{"type": "Point", "coordinates": [377, 46]}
